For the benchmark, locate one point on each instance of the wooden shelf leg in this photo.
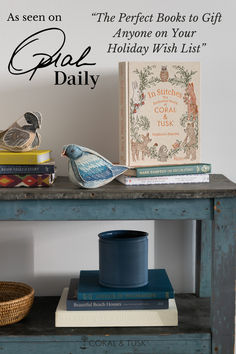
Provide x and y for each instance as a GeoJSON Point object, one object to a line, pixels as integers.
{"type": "Point", "coordinates": [223, 276]}
{"type": "Point", "coordinates": [203, 257]}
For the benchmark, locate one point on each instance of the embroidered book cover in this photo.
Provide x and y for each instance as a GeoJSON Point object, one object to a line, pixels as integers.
{"type": "Point", "coordinates": [159, 113]}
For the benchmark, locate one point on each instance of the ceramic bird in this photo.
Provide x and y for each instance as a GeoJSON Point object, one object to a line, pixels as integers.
{"type": "Point", "coordinates": [88, 169]}
{"type": "Point", "coordinates": [22, 135]}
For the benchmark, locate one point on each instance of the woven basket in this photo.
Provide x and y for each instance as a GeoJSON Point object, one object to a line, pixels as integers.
{"type": "Point", "coordinates": [16, 300]}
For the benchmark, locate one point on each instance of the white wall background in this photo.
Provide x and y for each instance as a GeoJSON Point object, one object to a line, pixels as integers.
{"type": "Point", "coordinates": [47, 254]}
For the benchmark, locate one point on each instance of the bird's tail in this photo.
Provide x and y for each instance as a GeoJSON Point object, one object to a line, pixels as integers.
{"type": "Point", "coordinates": [2, 132]}
{"type": "Point", "coordinates": [119, 169]}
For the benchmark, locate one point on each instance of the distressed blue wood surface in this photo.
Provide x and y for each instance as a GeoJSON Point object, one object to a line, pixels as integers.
{"type": "Point", "coordinates": [219, 186]}
{"type": "Point", "coordinates": [181, 344]}
{"type": "Point", "coordinates": [203, 258]}
{"type": "Point", "coordinates": [223, 276]}
{"type": "Point", "coordinates": [139, 209]}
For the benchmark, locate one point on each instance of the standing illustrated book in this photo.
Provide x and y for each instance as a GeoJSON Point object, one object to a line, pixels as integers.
{"type": "Point", "coordinates": [72, 304]}
{"type": "Point", "coordinates": [159, 113]}
{"type": "Point", "coordinates": [158, 287]}
{"type": "Point", "coordinates": [115, 318]}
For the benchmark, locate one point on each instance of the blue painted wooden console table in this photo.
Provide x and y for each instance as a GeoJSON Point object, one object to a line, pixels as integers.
{"type": "Point", "coordinates": [206, 325]}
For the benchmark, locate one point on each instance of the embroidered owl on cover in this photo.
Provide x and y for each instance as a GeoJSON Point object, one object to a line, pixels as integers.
{"type": "Point", "coordinates": [164, 75]}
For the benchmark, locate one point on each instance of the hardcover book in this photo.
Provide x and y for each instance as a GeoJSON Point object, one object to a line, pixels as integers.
{"type": "Point", "coordinates": [138, 181]}
{"type": "Point", "coordinates": [158, 287]}
{"type": "Point", "coordinates": [42, 168]}
{"type": "Point", "coordinates": [159, 113]}
{"type": "Point", "coordinates": [24, 158]}
{"type": "Point", "coordinates": [22, 180]}
{"type": "Point", "coordinates": [72, 304]}
{"type": "Point", "coordinates": [114, 318]}
{"type": "Point", "coordinates": [172, 170]}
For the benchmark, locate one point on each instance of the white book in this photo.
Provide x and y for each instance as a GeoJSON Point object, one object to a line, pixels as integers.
{"type": "Point", "coordinates": [136, 181]}
{"type": "Point", "coordinates": [114, 318]}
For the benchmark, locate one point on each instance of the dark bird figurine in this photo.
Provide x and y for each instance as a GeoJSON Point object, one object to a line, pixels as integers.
{"type": "Point", "coordinates": [22, 135]}
{"type": "Point", "coordinates": [88, 169]}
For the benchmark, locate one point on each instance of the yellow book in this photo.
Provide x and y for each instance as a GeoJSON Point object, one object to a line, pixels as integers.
{"type": "Point", "coordinates": [24, 158]}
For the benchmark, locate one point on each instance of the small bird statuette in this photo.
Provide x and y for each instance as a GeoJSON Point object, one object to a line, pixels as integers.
{"type": "Point", "coordinates": [88, 169]}
{"type": "Point", "coordinates": [22, 135]}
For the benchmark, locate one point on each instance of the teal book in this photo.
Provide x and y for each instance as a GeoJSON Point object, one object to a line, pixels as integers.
{"type": "Point", "coordinates": [72, 304]}
{"type": "Point", "coordinates": [173, 170]}
{"type": "Point", "coordinates": [158, 287]}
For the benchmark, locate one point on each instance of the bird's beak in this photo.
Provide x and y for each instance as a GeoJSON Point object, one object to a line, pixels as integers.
{"type": "Point", "coordinates": [63, 153]}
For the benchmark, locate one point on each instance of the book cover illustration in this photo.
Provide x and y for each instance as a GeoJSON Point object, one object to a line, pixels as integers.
{"type": "Point", "coordinates": [159, 113]}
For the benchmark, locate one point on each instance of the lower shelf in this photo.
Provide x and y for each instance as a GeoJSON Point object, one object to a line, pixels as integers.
{"type": "Point", "coordinates": [36, 334]}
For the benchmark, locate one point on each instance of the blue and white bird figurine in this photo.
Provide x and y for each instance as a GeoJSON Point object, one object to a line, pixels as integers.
{"type": "Point", "coordinates": [88, 169]}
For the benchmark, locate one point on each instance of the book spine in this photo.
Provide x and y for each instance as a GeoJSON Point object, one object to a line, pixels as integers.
{"type": "Point", "coordinates": [123, 113]}
{"type": "Point", "coordinates": [75, 305]}
{"type": "Point", "coordinates": [26, 180]}
{"type": "Point", "coordinates": [124, 318]}
{"type": "Point", "coordinates": [135, 181]}
{"type": "Point", "coordinates": [24, 158]}
{"type": "Point", "coordinates": [125, 295]}
{"type": "Point", "coordinates": [173, 170]}
{"type": "Point", "coordinates": [18, 160]}
{"type": "Point", "coordinates": [26, 169]}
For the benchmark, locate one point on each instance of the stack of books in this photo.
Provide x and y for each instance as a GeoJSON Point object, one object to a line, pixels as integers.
{"type": "Point", "coordinates": [88, 304]}
{"type": "Point", "coordinates": [26, 169]}
{"type": "Point", "coordinates": [192, 173]}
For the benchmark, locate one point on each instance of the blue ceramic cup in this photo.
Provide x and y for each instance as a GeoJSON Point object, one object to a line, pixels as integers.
{"type": "Point", "coordinates": [123, 258]}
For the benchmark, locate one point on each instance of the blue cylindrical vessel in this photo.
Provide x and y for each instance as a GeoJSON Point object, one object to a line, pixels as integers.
{"type": "Point", "coordinates": [123, 258]}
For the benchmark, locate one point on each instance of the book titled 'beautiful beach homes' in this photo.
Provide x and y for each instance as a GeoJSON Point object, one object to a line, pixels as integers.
{"type": "Point", "coordinates": [159, 113]}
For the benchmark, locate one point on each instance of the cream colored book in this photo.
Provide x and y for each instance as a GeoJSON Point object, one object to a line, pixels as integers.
{"type": "Point", "coordinates": [159, 113]}
{"type": "Point", "coordinates": [178, 179]}
{"type": "Point", "coordinates": [114, 318]}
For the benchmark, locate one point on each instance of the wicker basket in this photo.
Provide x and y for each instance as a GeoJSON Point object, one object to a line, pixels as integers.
{"type": "Point", "coordinates": [16, 300]}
